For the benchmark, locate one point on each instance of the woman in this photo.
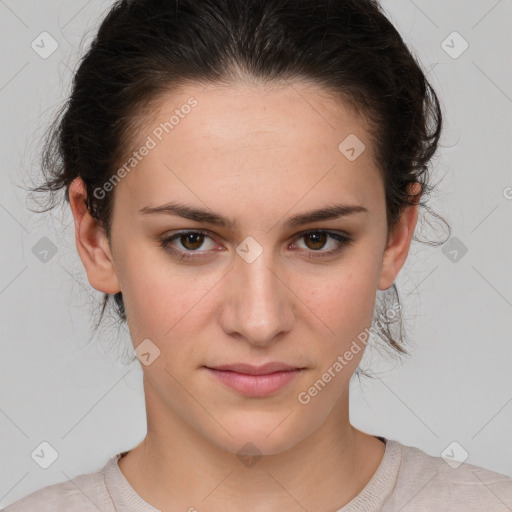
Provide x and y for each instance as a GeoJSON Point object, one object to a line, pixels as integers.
{"type": "Point", "coordinates": [244, 177]}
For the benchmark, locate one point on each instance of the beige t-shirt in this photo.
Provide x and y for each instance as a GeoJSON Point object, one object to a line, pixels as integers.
{"type": "Point", "coordinates": [407, 479]}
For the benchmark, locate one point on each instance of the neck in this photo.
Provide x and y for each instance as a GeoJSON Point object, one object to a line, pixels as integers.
{"type": "Point", "coordinates": [175, 467]}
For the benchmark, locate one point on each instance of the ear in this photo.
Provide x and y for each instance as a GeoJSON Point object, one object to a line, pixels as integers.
{"type": "Point", "coordinates": [91, 242]}
{"type": "Point", "coordinates": [399, 242]}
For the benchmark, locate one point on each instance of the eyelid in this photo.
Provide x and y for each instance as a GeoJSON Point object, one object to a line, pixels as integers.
{"type": "Point", "coordinates": [328, 231]}
{"type": "Point", "coordinates": [213, 236]}
{"type": "Point", "coordinates": [341, 237]}
{"type": "Point", "coordinates": [176, 234]}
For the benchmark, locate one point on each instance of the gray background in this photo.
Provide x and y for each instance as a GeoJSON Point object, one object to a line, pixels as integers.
{"type": "Point", "coordinates": [78, 394]}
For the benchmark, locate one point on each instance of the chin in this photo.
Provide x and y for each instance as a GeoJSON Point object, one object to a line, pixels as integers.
{"type": "Point", "coordinates": [253, 437]}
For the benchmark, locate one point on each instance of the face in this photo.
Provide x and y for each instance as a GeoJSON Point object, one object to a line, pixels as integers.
{"type": "Point", "coordinates": [275, 285]}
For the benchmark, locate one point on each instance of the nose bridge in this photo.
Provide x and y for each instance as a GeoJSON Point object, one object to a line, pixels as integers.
{"type": "Point", "coordinates": [260, 307]}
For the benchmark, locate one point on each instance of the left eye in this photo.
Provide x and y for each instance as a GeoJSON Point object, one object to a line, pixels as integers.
{"type": "Point", "coordinates": [191, 241]}
{"type": "Point", "coordinates": [318, 239]}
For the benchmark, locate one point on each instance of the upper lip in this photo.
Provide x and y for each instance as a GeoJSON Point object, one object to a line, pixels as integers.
{"type": "Point", "coordinates": [249, 369]}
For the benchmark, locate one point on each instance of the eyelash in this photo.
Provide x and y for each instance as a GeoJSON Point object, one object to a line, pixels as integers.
{"type": "Point", "coordinates": [184, 255]}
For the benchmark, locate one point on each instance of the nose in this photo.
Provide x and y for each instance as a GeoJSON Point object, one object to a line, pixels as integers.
{"type": "Point", "coordinates": [258, 304]}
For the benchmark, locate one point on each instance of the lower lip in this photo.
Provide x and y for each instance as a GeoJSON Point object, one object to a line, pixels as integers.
{"type": "Point", "coordinates": [255, 385]}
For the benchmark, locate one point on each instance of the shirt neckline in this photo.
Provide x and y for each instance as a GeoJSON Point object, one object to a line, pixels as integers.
{"type": "Point", "coordinates": [376, 492]}
{"type": "Point", "coordinates": [122, 493]}
{"type": "Point", "coordinates": [370, 499]}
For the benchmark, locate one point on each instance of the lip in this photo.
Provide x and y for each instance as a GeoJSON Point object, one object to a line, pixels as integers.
{"type": "Point", "coordinates": [255, 381]}
{"type": "Point", "coordinates": [249, 369]}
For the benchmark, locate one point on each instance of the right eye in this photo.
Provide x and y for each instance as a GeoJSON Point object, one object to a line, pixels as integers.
{"type": "Point", "coordinates": [191, 241]}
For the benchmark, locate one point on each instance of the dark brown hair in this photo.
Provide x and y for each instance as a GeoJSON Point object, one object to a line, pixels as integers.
{"type": "Point", "coordinates": [145, 48]}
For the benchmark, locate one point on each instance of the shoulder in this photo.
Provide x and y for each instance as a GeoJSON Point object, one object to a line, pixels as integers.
{"type": "Point", "coordinates": [84, 493]}
{"type": "Point", "coordinates": [427, 481]}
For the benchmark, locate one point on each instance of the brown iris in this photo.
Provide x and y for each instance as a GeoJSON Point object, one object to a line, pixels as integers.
{"type": "Point", "coordinates": [316, 238]}
{"type": "Point", "coordinates": [197, 240]}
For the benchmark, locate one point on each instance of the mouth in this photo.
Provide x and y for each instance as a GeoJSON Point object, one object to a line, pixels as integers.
{"type": "Point", "coordinates": [249, 369]}
{"type": "Point", "coordinates": [255, 381]}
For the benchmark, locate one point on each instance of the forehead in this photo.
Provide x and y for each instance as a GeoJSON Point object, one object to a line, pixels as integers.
{"type": "Point", "coordinates": [287, 139]}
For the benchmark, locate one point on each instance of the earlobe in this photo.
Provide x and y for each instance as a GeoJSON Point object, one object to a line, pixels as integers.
{"type": "Point", "coordinates": [399, 243]}
{"type": "Point", "coordinates": [91, 242]}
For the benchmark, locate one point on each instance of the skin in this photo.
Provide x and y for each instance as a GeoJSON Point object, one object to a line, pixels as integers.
{"type": "Point", "coordinates": [259, 156]}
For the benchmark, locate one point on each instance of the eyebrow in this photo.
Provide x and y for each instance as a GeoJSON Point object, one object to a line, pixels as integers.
{"type": "Point", "coordinates": [209, 217]}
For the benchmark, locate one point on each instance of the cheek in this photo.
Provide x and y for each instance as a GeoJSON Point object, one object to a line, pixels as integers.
{"type": "Point", "coordinates": [343, 301]}
{"type": "Point", "coordinates": [161, 298]}
{"type": "Point", "coordinates": [345, 304]}
{"type": "Point", "coordinates": [147, 293]}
